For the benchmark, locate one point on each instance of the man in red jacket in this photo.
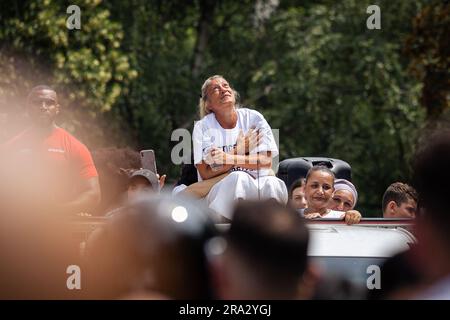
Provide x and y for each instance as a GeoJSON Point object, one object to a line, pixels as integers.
{"type": "Point", "coordinates": [54, 164]}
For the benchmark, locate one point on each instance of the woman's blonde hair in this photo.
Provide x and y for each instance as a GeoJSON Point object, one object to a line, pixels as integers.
{"type": "Point", "coordinates": [202, 108]}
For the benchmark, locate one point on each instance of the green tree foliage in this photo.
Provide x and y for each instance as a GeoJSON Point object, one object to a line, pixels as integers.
{"type": "Point", "coordinates": [87, 66]}
{"type": "Point", "coordinates": [429, 47]}
{"type": "Point", "coordinates": [336, 89]}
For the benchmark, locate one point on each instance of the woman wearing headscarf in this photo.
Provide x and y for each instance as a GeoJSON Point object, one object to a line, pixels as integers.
{"type": "Point", "coordinates": [344, 199]}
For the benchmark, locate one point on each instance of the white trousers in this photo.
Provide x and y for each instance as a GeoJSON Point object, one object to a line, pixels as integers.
{"type": "Point", "coordinates": [240, 185]}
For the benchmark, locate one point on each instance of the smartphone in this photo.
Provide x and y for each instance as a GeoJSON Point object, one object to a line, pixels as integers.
{"type": "Point", "coordinates": [148, 160]}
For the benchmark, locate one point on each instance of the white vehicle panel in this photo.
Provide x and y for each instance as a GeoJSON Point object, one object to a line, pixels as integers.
{"type": "Point", "coordinates": [357, 241]}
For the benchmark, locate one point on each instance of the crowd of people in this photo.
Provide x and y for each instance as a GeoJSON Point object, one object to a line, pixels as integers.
{"type": "Point", "coordinates": [149, 235]}
{"type": "Point", "coordinates": [232, 161]}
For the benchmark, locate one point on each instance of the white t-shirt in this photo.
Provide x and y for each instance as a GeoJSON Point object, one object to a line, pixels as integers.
{"type": "Point", "coordinates": [209, 133]}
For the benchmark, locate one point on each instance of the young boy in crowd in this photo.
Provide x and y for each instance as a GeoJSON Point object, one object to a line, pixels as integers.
{"type": "Point", "coordinates": [399, 201]}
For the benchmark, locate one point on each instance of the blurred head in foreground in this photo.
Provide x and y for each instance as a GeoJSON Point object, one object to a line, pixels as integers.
{"type": "Point", "coordinates": [153, 249]}
{"type": "Point", "coordinates": [264, 253]}
{"type": "Point", "coordinates": [400, 279]}
{"type": "Point", "coordinates": [431, 178]}
{"type": "Point", "coordinates": [36, 245]}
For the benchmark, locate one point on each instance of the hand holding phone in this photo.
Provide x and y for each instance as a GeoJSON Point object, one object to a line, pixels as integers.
{"type": "Point", "coordinates": [148, 160]}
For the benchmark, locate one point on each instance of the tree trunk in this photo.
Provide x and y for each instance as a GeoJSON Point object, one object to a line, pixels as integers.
{"type": "Point", "coordinates": [203, 28]}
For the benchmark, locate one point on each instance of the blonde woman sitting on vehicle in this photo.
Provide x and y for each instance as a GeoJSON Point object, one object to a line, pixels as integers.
{"type": "Point", "coordinates": [215, 153]}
